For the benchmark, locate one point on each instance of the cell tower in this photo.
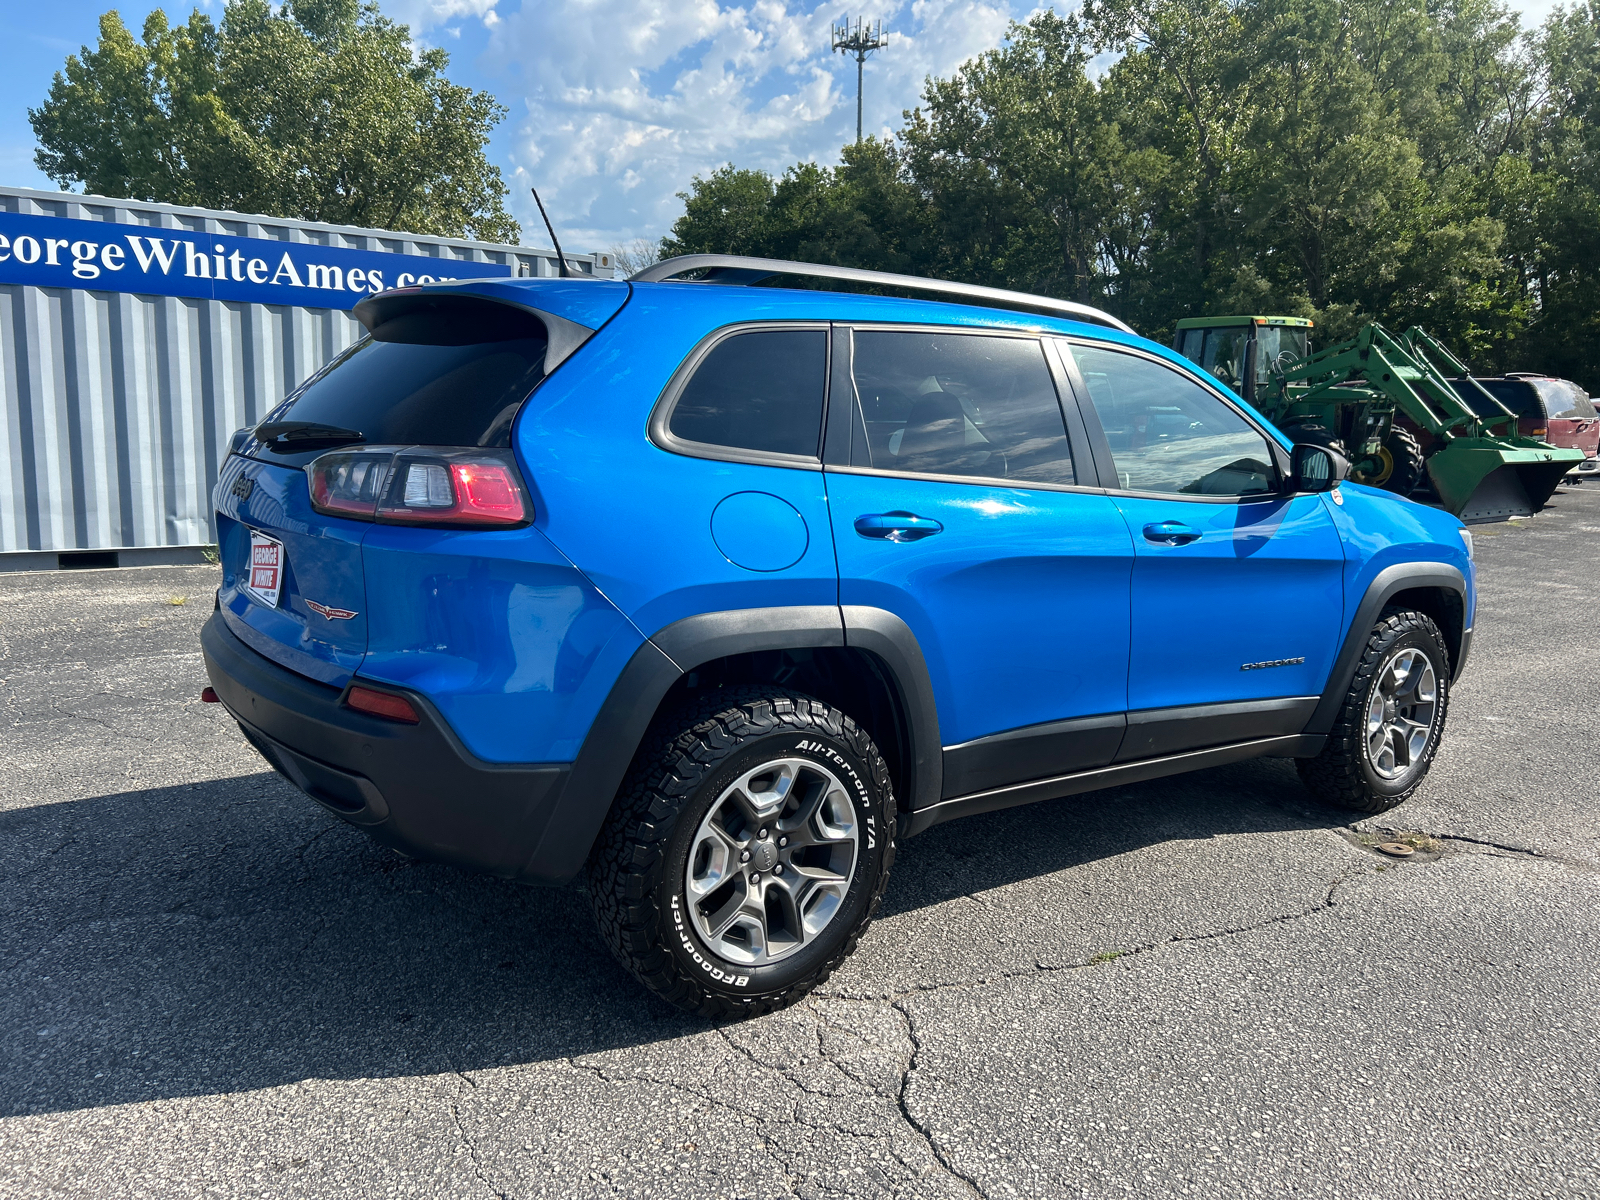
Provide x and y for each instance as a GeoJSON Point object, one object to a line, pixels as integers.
{"type": "Point", "coordinates": [860, 40]}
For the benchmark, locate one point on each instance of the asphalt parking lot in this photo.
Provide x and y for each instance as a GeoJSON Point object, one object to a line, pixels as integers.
{"type": "Point", "coordinates": [1206, 986]}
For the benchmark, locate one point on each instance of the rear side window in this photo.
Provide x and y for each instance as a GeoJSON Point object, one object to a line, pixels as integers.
{"type": "Point", "coordinates": [957, 404]}
{"type": "Point", "coordinates": [1170, 435]}
{"type": "Point", "coordinates": [451, 375]}
{"type": "Point", "coordinates": [1515, 394]}
{"type": "Point", "coordinates": [760, 391]}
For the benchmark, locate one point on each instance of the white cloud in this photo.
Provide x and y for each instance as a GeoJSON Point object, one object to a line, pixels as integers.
{"type": "Point", "coordinates": [422, 15]}
{"type": "Point", "coordinates": [617, 104]}
{"type": "Point", "coordinates": [627, 100]}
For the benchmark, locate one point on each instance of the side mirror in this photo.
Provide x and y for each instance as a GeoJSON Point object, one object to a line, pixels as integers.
{"type": "Point", "coordinates": [1315, 469]}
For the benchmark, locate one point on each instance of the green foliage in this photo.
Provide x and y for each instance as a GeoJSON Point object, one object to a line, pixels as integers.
{"type": "Point", "coordinates": [1409, 161]}
{"type": "Point", "coordinates": [317, 110]}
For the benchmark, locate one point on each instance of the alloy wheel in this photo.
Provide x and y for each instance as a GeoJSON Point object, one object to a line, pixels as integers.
{"type": "Point", "coordinates": [772, 861]}
{"type": "Point", "coordinates": [1401, 711]}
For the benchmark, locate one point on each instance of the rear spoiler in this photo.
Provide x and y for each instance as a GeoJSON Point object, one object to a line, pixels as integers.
{"type": "Point", "coordinates": [563, 336]}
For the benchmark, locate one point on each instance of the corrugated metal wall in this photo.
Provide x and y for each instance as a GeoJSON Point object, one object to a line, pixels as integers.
{"type": "Point", "coordinates": [118, 407]}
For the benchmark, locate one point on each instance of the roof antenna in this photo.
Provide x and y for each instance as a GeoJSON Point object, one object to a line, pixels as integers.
{"type": "Point", "coordinates": [561, 259]}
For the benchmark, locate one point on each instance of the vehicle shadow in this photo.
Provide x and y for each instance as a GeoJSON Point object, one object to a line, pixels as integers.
{"type": "Point", "coordinates": [227, 936]}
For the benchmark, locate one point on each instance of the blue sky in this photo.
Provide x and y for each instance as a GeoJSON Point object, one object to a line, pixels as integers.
{"type": "Point", "coordinates": [615, 104]}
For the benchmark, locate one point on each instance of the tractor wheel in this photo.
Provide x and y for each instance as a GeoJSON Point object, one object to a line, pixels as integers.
{"type": "Point", "coordinates": [1406, 453]}
{"type": "Point", "coordinates": [1317, 435]}
{"type": "Point", "coordinates": [1400, 464]}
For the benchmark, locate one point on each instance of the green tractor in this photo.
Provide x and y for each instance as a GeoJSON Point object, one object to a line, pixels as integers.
{"type": "Point", "coordinates": [1384, 404]}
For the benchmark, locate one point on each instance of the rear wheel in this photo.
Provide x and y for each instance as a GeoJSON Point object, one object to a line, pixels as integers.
{"type": "Point", "coordinates": [1392, 718]}
{"type": "Point", "coordinates": [747, 851]}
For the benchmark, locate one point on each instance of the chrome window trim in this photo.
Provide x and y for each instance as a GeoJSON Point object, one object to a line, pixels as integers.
{"type": "Point", "coordinates": [659, 430]}
{"type": "Point", "coordinates": [988, 481]}
{"type": "Point", "coordinates": [1199, 378]}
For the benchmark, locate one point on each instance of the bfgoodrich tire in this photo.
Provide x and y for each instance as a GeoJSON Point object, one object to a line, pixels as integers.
{"type": "Point", "coordinates": [1389, 726]}
{"type": "Point", "coordinates": [747, 850]}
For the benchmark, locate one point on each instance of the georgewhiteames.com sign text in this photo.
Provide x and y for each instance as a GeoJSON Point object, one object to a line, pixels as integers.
{"type": "Point", "coordinates": [102, 256]}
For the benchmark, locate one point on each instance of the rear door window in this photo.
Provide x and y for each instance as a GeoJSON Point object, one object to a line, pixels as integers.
{"type": "Point", "coordinates": [453, 375]}
{"type": "Point", "coordinates": [957, 405]}
{"type": "Point", "coordinates": [1168, 434]}
{"type": "Point", "coordinates": [758, 392]}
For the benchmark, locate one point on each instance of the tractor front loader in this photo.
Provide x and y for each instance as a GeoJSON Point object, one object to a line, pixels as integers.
{"type": "Point", "coordinates": [1364, 397]}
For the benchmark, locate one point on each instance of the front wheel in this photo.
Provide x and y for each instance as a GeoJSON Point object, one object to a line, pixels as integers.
{"type": "Point", "coordinates": [1389, 726]}
{"type": "Point", "coordinates": [746, 853]}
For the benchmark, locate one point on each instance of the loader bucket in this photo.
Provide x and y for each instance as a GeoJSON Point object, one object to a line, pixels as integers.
{"type": "Point", "coordinates": [1487, 479]}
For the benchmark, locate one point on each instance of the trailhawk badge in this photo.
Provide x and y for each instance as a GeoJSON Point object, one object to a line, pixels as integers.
{"type": "Point", "coordinates": [328, 612]}
{"type": "Point", "coordinates": [265, 581]}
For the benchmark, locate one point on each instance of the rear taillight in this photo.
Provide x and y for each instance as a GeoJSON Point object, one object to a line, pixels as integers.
{"type": "Point", "coordinates": [463, 489]}
{"type": "Point", "coordinates": [350, 483]}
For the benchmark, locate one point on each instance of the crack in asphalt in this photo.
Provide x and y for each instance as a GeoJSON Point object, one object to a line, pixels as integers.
{"type": "Point", "coordinates": [924, 1131]}
{"type": "Point", "coordinates": [467, 1139]}
{"type": "Point", "coordinates": [1520, 853]}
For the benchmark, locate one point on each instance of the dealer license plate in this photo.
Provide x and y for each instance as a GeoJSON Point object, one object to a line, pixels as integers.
{"type": "Point", "coordinates": [265, 581]}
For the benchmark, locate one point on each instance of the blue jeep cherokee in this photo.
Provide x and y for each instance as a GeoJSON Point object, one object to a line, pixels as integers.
{"type": "Point", "coordinates": [715, 592]}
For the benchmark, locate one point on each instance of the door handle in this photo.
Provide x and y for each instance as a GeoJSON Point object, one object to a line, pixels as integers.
{"type": "Point", "coordinates": [897, 526]}
{"type": "Point", "coordinates": [1171, 533]}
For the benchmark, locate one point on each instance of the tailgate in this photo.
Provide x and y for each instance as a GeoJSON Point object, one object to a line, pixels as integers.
{"type": "Point", "coordinates": [318, 625]}
{"type": "Point", "coordinates": [1583, 433]}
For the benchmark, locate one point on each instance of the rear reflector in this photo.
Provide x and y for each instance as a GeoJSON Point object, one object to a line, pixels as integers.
{"type": "Point", "coordinates": [382, 704]}
{"type": "Point", "coordinates": [209, 696]}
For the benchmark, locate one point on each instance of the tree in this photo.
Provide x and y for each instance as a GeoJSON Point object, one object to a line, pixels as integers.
{"type": "Point", "coordinates": [319, 110]}
{"type": "Point", "coordinates": [1559, 241]}
{"type": "Point", "coordinates": [1408, 161]}
{"type": "Point", "coordinates": [728, 212]}
{"type": "Point", "coordinates": [865, 213]}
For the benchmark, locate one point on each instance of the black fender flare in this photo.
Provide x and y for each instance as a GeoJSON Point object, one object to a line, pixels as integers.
{"type": "Point", "coordinates": [672, 652]}
{"type": "Point", "coordinates": [1388, 583]}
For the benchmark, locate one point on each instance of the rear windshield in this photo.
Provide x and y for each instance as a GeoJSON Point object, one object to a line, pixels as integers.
{"type": "Point", "coordinates": [454, 374]}
{"type": "Point", "coordinates": [1563, 399]}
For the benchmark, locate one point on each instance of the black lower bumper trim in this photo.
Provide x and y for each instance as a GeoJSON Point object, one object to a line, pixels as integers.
{"type": "Point", "coordinates": [413, 787]}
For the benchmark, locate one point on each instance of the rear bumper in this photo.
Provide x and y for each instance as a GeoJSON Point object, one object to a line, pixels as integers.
{"type": "Point", "coordinates": [412, 787]}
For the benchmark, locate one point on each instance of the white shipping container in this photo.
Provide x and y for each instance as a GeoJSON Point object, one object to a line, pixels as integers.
{"type": "Point", "coordinates": [117, 398]}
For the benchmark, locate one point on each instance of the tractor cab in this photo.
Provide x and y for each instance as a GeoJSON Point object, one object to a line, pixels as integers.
{"type": "Point", "coordinates": [1243, 351]}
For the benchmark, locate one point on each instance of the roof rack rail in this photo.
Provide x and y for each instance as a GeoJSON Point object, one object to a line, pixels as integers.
{"type": "Point", "coordinates": [737, 269]}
